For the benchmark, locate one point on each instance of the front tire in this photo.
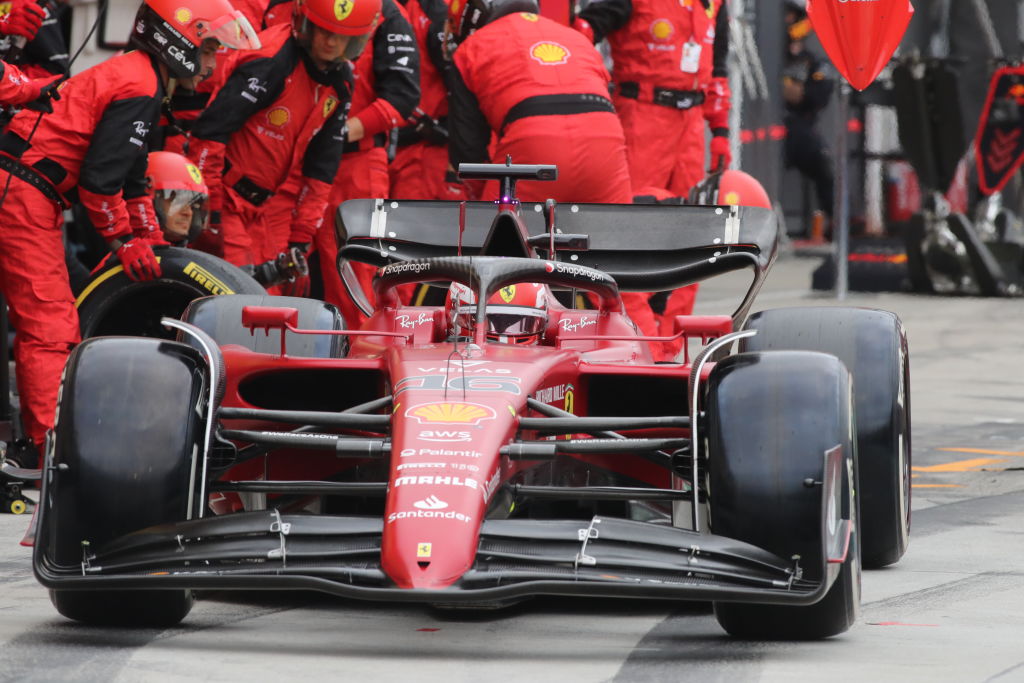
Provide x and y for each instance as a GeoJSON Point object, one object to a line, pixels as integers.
{"type": "Point", "coordinates": [129, 428]}
{"type": "Point", "coordinates": [772, 417]}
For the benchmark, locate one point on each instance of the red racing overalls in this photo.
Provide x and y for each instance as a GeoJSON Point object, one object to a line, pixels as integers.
{"type": "Point", "coordinates": [670, 77]}
{"type": "Point", "coordinates": [419, 169]}
{"type": "Point", "coordinates": [542, 88]}
{"type": "Point", "coordinates": [87, 146]}
{"type": "Point", "coordinates": [276, 112]}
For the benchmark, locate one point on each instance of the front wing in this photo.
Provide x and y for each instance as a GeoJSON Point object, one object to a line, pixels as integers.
{"type": "Point", "coordinates": [605, 557]}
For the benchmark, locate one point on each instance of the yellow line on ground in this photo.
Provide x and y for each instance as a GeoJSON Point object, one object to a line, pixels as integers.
{"type": "Point", "coordinates": [984, 451]}
{"type": "Point", "coordinates": [960, 465]}
{"type": "Point", "coordinates": [935, 486]}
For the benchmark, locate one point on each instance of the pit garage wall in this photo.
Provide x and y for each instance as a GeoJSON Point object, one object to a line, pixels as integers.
{"type": "Point", "coordinates": [755, 76]}
{"type": "Point", "coordinates": [110, 36]}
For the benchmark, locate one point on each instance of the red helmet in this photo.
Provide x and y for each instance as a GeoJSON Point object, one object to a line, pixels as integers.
{"type": "Point", "coordinates": [178, 183]}
{"type": "Point", "coordinates": [356, 18]}
{"type": "Point", "coordinates": [730, 188]}
{"type": "Point", "coordinates": [466, 16]}
{"type": "Point", "coordinates": [516, 314]}
{"type": "Point", "coordinates": [173, 30]}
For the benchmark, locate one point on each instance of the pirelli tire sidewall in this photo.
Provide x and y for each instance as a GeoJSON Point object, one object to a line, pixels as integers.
{"type": "Point", "coordinates": [111, 303]}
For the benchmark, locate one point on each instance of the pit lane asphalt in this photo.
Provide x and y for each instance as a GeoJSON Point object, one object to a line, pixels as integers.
{"type": "Point", "coordinates": [951, 610]}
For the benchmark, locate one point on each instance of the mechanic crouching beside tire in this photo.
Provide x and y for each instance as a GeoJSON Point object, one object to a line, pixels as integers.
{"type": "Point", "coordinates": [88, 146]}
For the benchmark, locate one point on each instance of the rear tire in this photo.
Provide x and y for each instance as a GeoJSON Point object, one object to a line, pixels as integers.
{"type": "Point", "coordinates": [113, 304]}
{"type": "Point", "coordinates": [128, 428]}
{"type": "Point", "coordinates": [771, 419]}
{"type": "Point", "coordinates": [873, 346]}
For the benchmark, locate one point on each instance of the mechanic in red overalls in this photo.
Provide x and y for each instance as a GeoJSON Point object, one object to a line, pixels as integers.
{"type": "Point", "coordinates": [386, 92]}
{"type": "Point", "coordinates": [88, 146]}
{"type": "Point", "coordinates": [542, 88]}
{"type": "Point", "coordinates": [283, 107]}
{"type": "Point", "coordinates": [27, 84]}
{"type": "Point", "coordinates": [670, 77]}
{"type": "Point", "coordinates": [420, 167]}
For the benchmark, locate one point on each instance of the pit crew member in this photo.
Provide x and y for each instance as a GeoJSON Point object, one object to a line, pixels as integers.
{"type": "Point", "coordinates": [283, 106]}
{"type": "Point", "coordinates": [88, 146]}
{"type": "Point", "coordinates": [670, 77]}
{"type": "Point", "coordinates": [541, 88]}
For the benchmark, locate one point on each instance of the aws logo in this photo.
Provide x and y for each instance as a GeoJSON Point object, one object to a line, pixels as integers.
{"type": "Point", "coordinates": [550, 53]}
{"type": "Point", "coordinates": [278, 116]}
{"type": "Point", "coordinates": [662, 29]}
{"type": "Point", "coordinates": [195, 174]}
{"type": "Point", "coordinates": [343, 8]}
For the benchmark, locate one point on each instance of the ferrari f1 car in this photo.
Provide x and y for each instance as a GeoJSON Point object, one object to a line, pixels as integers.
{"type": "Point", "coordinates": [421, 459]}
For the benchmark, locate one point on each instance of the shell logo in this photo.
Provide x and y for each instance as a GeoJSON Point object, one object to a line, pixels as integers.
{"type": "Point", "coordinates": [549, 53]}
{"type": "Point", "coordinates": [193, 171]}
{"type": "Point", "coordinates": [662, 29]}
{"type": "Point", "coordinates": [732, 198]}
{"type": "Point", "coordinates": [330, 104]}
{"type": "Point", "coordinates": [278, 116]}
{"type": "Point", "coordinates": [529, 16]}
{"type": "Point", "coordinates": [183, 15]}
{"type": "Point", "coordinates": [507, 293]}
{"type": "Point", "coordinates": [343, 8]}
{"type": "Point", "coordinates": [450, 413]}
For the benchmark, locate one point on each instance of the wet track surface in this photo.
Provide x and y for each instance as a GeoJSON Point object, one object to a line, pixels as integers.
{"type": "Point", "coordinates": [951, 610]}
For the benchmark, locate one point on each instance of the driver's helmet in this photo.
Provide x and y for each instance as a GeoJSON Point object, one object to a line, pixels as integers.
{"type": "Point", "coordinates": [354, 18]}
{"type": "Point", "coordinates": [730, 188]}
{"type": "Point", "coordinates": [173, 31]}
{"type": "Point", "coordinates": [176, 180]}
{"type": "Point", "coordinates": [516, 314]}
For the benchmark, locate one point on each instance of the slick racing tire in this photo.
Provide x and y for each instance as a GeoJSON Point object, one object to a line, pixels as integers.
{"type": "Point", "coordinates": [113, 304]}
{"type": "Point", "coordinates": [873, 346]}
{"type": "Point", "coordinates": [128, 429]}
{"type": "Point", "coordinates": [221, 318]}
{"type": "Point", "coordinates": [771, 419]}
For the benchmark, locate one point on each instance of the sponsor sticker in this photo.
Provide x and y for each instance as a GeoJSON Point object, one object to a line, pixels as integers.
{"type": "Point", "coordinates": [343, 8]}
{"type": "Point", "coordinates": [330, 104]}
{"type": "Point", "coordinates": [430, 503]}
{"type": "Point", "coordinates": [194, 173]}
{"type": "Point", "coordinates": [549, 53]}
{"type": "Point", "coordinates": [278, 116]}
{"type": "Point", "coordinates": [406, 267]}
{"type": "Point", "coordinates": [440, 452]}
{"type": "Point", "coordinates": [206, 280]}
{"type": "Point", "coordinates": [450, 413]}
{"type": "Point", "coordinates": [429, 514]}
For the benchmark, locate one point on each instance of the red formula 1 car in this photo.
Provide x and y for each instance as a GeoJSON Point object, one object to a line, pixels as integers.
{"type": "Point", "coordinates": [424, 458]}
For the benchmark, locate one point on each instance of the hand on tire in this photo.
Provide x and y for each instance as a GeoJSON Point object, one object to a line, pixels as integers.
{"type": "Point", "coordinates": [138, 259]}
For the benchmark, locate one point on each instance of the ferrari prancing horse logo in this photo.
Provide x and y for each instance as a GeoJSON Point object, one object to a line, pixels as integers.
{"type": "Point", "coordinates": [193, 171]}
{"type": "Point", "coordinates": [343, 8]}
{"type": "Point", "coordinates": [330, 104]}
{"type": "Point", "coordinates": [508, 293]}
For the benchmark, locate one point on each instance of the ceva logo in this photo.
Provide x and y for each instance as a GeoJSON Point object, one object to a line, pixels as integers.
{"type": "Point", "coordinates": [430, 503]}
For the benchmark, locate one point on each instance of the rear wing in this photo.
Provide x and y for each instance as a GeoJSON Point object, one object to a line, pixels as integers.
{"type": "Point", "coordinates": [646, 248]}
